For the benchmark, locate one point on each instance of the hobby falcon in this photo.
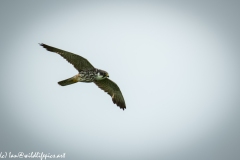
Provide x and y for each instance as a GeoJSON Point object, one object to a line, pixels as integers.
{"type": "Point", "coordinates": [88, 73]}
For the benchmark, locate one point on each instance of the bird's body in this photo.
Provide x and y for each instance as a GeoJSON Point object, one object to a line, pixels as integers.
{"type": "Point", "coordinates": [89, 76]}
{"type": "Point", "coordinates": [85, 76]}
{"type": "Point", "coordinates": [87, 73]}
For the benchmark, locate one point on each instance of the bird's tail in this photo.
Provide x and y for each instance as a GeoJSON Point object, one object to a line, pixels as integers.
{"type": "Point", "coordinates": [68, 81]}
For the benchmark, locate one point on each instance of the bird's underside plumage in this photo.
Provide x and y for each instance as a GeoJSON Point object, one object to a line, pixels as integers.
{"type": "Point", "coordinates": [82, 76]}
{"type": "Point", "coordinates": [87, 73]}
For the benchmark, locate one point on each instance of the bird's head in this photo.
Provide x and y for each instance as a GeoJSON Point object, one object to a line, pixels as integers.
{"type": "Point", "coordinates": [107, 75]}
{"type": "Point", "coordinates": [102, 74]}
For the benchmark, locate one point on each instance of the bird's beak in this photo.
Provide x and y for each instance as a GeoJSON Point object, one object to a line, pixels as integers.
{"type": "Point", "coordinates": [107, 75]}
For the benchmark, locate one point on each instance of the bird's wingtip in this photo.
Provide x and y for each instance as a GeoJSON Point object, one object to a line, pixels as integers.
{"type": "Point", "coordinates": [123, 107]}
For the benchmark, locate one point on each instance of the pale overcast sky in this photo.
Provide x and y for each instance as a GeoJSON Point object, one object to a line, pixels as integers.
{"type": "Point", "coordinates": [176, 62]}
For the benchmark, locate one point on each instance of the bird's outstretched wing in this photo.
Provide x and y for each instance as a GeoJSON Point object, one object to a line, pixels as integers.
{"type": "Point", "coordinates": [77, 61]}
{"type": "Point", "coordinates": [113, 90]}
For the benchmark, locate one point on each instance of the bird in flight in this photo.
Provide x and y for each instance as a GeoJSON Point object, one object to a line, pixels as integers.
{"type": "Point", "coordinates": [88, 73]}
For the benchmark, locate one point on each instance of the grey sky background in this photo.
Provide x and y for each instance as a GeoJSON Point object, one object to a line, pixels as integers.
{"type": "Point", "coordinates": [176, 62]}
